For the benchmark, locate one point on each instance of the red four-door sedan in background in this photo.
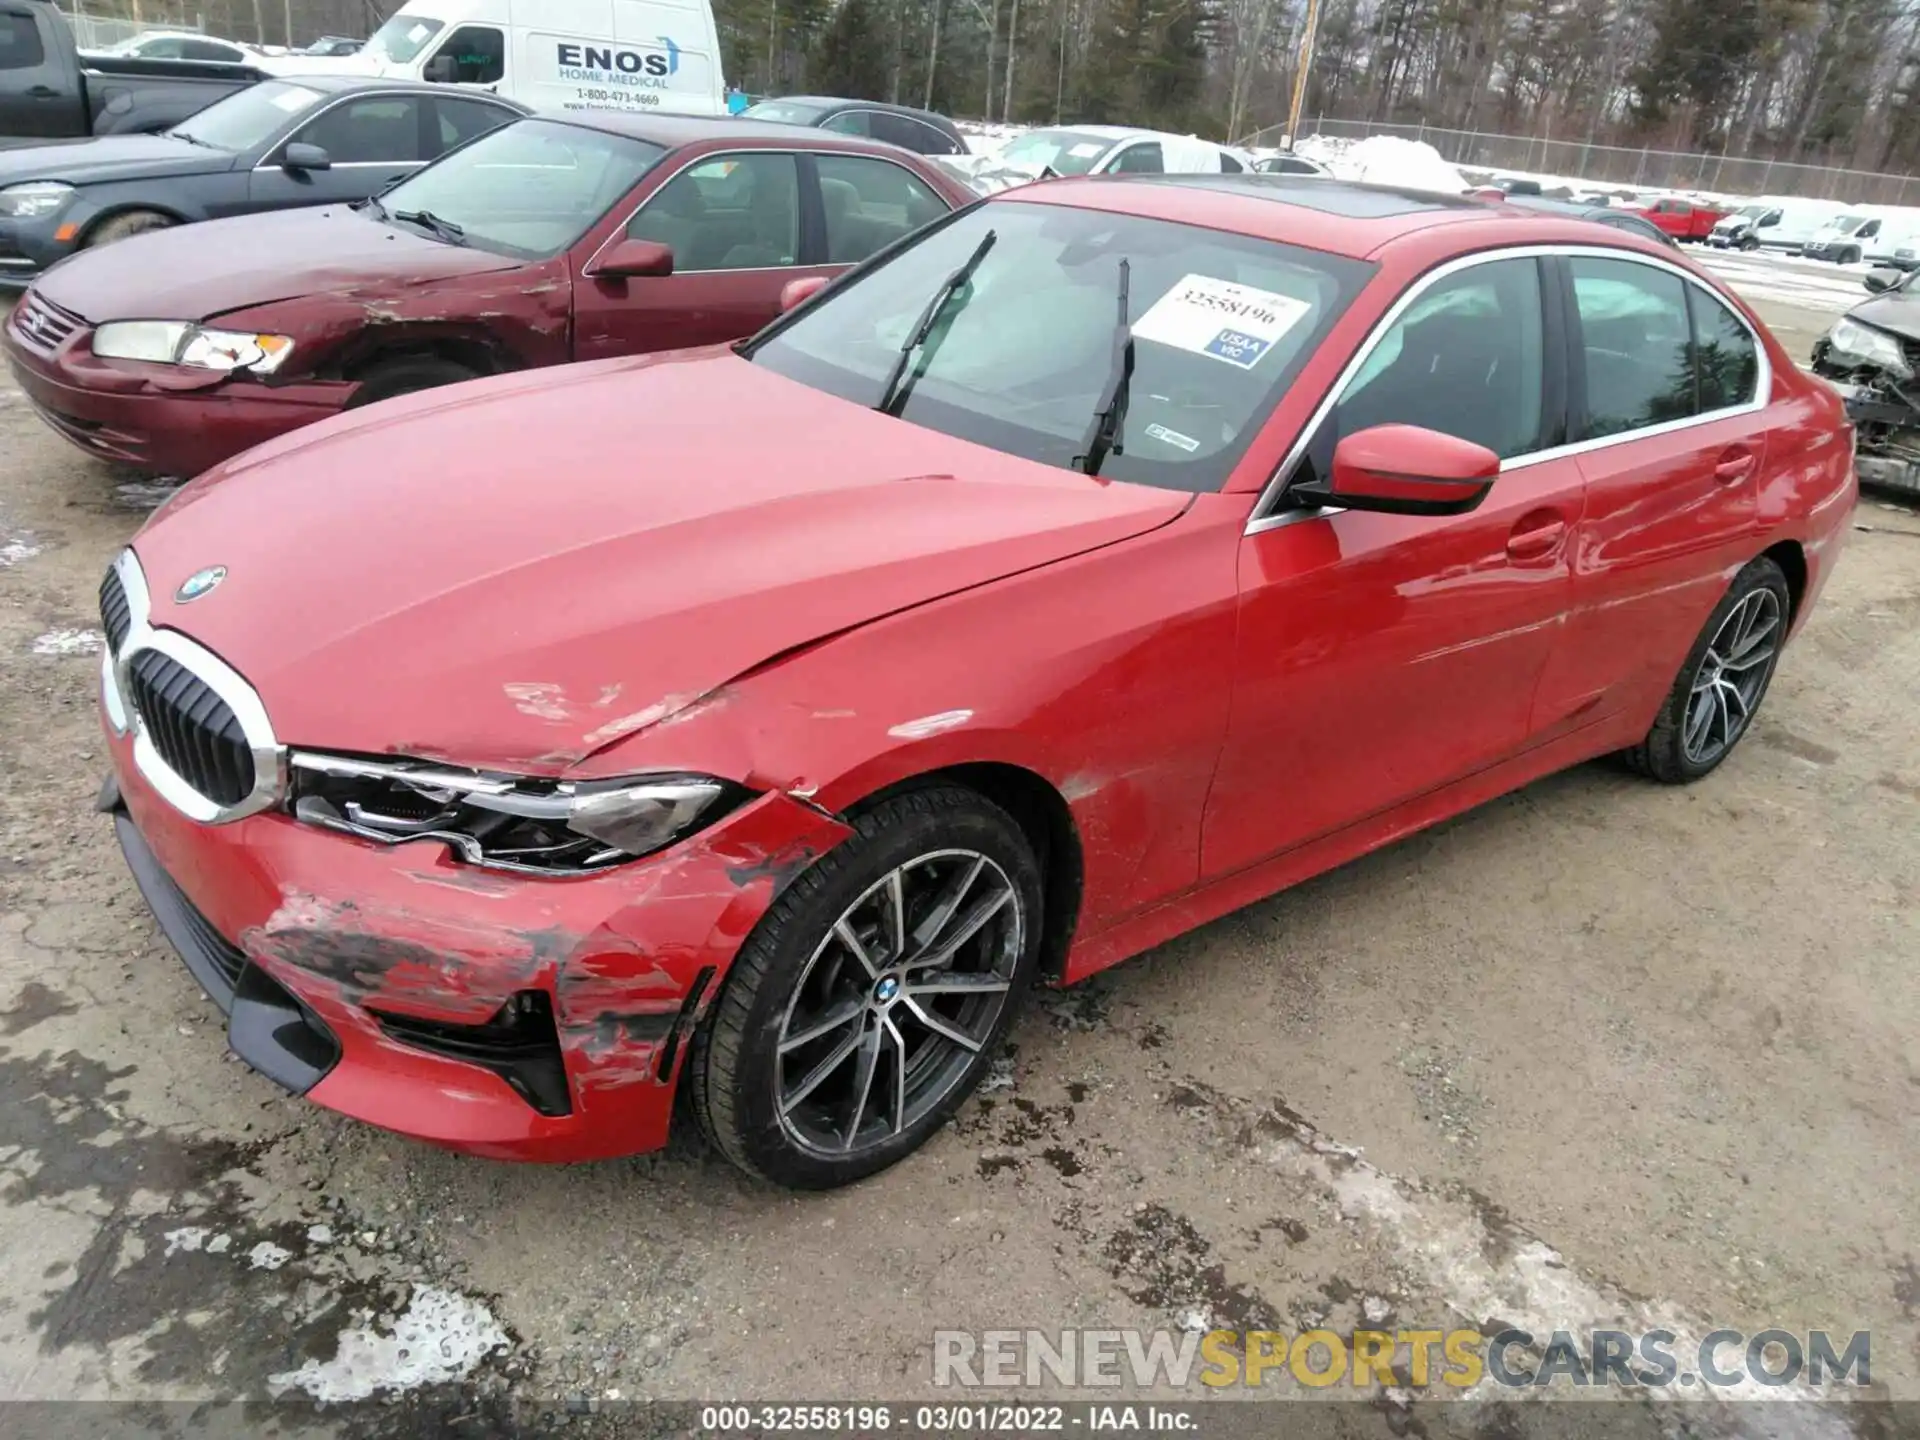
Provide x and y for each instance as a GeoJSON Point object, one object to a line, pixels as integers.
{"type": "Point", "coordinates": [1115, 553]}
{"type": "Point", "coordinates": [550, 240]}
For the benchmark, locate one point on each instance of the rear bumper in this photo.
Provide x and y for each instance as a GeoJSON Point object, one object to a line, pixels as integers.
{"type": "Point", "coordinates": [132, 414]}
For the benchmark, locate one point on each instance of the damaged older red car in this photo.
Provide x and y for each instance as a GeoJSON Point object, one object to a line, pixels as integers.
{"type": "Point", "coordinates": [569, 238]}
{"type": "Point", "coordinates": [763, 722]}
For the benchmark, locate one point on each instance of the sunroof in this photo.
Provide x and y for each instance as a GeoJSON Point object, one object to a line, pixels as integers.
{"type": "Point", "coordinates": [1330, 197]}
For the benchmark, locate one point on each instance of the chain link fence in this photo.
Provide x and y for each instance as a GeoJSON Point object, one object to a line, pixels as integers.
{"type": "Point", "coordinates": [1628, 167]}
{"type": "Point", "coordinates": [98, 32]}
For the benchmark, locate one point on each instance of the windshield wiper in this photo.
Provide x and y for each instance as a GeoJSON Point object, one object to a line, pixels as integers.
{"type": "Point", "coordinates": [442, 229]}
{"type": "Point", "coordinates": [899, 386]}
{"type": "Point", "coordinates": [372, 206]}
{"type": "Point", "coordinates": [1104, 433]}
{"type": "Point", "coordinates": [193, 139]}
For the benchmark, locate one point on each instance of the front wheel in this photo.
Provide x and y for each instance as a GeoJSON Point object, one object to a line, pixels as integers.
{"type": "Point", "coordinates": [1723, 681]}
{"type": "Point", "coordinates": [1850, 255]}
{"type": "Point", "coordinates": [1749, 243]}
{"type": "Point", "coordinates": [869, 1001]}
{"type": "Point", "coordinates": [125, 226]}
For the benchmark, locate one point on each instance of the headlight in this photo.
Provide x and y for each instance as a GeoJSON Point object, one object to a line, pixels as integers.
{"type": "Point", "coordinates": [34, 201]}
{"type": "Point", "coordinates": [1875, 347]}
{"type": "Point", "coordinates": [175, 342]}
{"type": "Point", "coordinates": [506, 822]}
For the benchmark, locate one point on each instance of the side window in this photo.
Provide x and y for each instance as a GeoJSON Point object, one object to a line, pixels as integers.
{"type": "Point", "coordinates": [20, 47]}
{"type": "Point", "coordinates": [166, 48]}
{"type": "Point", "coordinates": [472, 55]}
{"type": "Point", "coordinates": [1728, 360]}
{"type": "Point", "coordinates": [1867, 231]}
{"type": "Point", "coordinates": [1229, 165]}
{"type": "Point", "coordinates": [849, 122]}
{"type": "Point", "coordinates": [1139, 160]}
{"type": "Point", "coordinates": [374, 130]}
{"type": "Point", "coordinates": [870, 204]}
{"type": "Point", "coordinates": [902, 130]}
{"type": "Point", "coordinates": [458, 121]}
{"type": "Point", "coordinates": [737, 212]}
{"type": "Point", "coordinates": [1769, 220]}
{"type": "Point", "coordinates": [209, 50]}
{"type": "Point", "coordinates": [1466, 359]}
{"type": "Point", "coordinates": [1637, 342]}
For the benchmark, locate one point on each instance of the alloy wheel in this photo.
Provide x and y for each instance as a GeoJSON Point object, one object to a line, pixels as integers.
{"type": "Point", "coordinates": [1732, 676]}
{"type": "Point", "coordinates": [897, 1001]}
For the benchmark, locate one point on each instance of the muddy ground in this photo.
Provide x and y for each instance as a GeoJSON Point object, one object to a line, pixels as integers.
{"type": "Point", "coordinates": [1598, 1050]}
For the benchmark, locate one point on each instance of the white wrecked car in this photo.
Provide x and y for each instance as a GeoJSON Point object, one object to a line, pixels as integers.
{"type": "Point", "coordinates": [1093, 150]}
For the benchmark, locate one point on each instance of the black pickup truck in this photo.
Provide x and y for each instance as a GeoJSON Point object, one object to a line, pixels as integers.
{"type": "Point", "coordinates": [49, 91]}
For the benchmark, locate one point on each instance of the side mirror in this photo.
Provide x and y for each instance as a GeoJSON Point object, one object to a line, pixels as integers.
{"type": "Point", "coordinates": [299, 156]}
{"type": "Point", "coordinates": [1405, 470]}
{"type": "Point", "coordinates": [798, 292]}
{"type": "Point", "coordinates": [634, 259]}
{"type": "Point", "coordinates": [1879, 281]}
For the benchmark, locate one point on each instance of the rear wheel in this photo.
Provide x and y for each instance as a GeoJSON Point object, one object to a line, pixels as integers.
{"type": "Point", "coordinates": [869, 1001]}
{"type": "Point", "coordinates": [120, 227]}
{"type": "Point", "coordinates": [1723, 681]}
{"type": "Point", "coordinates": [406, 374]}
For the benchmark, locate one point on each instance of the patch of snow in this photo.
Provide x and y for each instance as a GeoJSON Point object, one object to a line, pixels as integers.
{"type": "Point", "coordinates": [186, 1240]}
{"type": "Point", "coordinates": [1384, 160]}
{"type": "Point", "coordinates": [320, 1234]}
{"type": "Point", "coordinates": [16, 547]}
{"type": "Point", "coordinates": [219, 1244]}
{"type": "Point", "coordinates": [268, 1256]}
{"type": "Point", "coordinates": [69, 642]}
{"type": "Point", "coordinates": [441, 1337]}
{"type": "Point", "coordinates": [145, 494]}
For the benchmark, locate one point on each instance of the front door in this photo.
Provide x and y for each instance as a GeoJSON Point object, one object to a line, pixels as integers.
{"type": "Point", "coordinates": [38, 95]}
{"type": "Point", "coordinates": [1383, 656]}
{"type": "Point", "coordinates": [371, 141]}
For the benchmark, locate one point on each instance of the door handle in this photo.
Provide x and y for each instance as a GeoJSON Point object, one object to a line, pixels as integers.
{"type": "Point", "coordinates": [1736, 463]}
{"type": "Point", "coordinates": [1536, 536]}
{"type": "Point", "coordinates": [44, 92]}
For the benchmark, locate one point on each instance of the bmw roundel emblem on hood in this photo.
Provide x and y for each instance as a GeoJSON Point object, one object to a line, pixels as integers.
{"type": "Point", "coordinates": [201, 582]}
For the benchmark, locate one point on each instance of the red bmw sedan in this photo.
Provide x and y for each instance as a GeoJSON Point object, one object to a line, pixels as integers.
{"type": "Point", "coordinates": [552, 239]}
{"type": "Point", "coordinates": [766, 720]}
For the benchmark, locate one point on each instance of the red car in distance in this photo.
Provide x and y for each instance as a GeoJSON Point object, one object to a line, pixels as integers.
{"type": "Point", "coordinates": [1685, 220]}
{"type": "Point", "coordinates": [550, 240]}
{"type": "Point", "coordinates": [764, 721]}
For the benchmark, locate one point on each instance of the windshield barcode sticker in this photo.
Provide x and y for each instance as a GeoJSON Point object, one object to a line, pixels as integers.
{"type": "Point", "coordinates": [1228, 321]}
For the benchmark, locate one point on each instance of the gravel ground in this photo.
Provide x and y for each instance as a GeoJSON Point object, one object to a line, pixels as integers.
{"type": "Point", "coordinates": [1598, 1049]}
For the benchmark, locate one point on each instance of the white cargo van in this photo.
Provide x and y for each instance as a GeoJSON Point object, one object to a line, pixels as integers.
{"type": "Point", "coordinates": [1777, 222]}
{"type": "Point", "coordinates": [652, 55]}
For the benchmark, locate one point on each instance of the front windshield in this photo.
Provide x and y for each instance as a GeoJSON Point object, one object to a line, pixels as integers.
{"type": "Point", "coordinates": [1065, 152]}
{"type": "Point", "coordinates": [1021, 356]}
{"type": "Point", "coordinates": [402, 38]}
{"type": "Point", "coordinates": [1748, 212]}
{"type": "Point", "coordinates": [248, 118]}
{"type": "Point", "coordinates": [1847, 224]}
{"type": "Point", "coordinates": [529, 189]}
{"type": "Point", "coordinates": [783, 112]}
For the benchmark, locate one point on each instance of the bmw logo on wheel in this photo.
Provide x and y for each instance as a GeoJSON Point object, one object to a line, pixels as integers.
{"type": "Point", "coordinates": [201, 582]}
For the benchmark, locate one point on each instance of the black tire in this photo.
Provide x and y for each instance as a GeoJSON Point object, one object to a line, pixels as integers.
{"type": "Point", "coordinates": [1668, 754]}
{"type": "Point", "coordinates": [406, 374]}
{"type": "Point", "coordinates": [735, 1067]}
{"type": "Point", "coordinates": [1747, 242]}
{"type": "Point", "coordinates": [124, 226]}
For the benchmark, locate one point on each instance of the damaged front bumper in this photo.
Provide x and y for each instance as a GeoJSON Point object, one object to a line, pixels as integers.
{"type": "Point", "coordinates": [519, 1018]}
{"type": "Point", "coordinates": [1886, 423]}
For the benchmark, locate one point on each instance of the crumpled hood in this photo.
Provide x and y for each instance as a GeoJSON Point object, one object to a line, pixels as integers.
{"type": "Point", "coordinates": [110, 158]}
{"type": "Point", "coordinates": [195, 272]}
{"type": "Point", "coordinates": [1896, 314]}
{"type": "Point", "coordinates": [522, 570]}
{"type": "Point", "coordinates": [988, 174]}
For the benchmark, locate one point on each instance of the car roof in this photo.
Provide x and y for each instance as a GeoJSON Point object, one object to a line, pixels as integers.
{"type": "Point", "coordinates": [1341, 217]}
{"type": "Point", "coordinates": [675, 132]}
{"type": "Point", "coordinates": [835, 102]}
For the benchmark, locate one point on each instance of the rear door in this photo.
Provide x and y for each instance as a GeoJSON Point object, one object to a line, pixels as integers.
{"type": "Point", "coordinates": [371, 140]}
{"type": "Point", "coordinates": [740, 224]}
{"type": "Point", "coordinates": [1669, 390]}
{"type": "Point", "coordinates": [39, 94]}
